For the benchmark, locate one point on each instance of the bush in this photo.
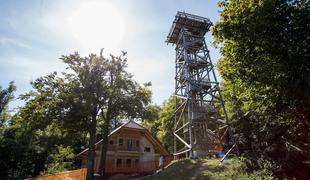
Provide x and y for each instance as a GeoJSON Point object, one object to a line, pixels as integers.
{"type": "Point", "coordinates": [61, 160]}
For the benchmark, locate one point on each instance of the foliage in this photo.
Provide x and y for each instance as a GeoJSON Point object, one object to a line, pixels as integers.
{"type": "Point", "coordinates": [18, 157]}
{"type": "Point", "coordinates": [37, 129]}
{"type": "Point", "coordinates": [150, 119]}
{"type": "Point", "coordinates": [122, 97]}
{"type": "Point", "coordinates": [160, 122]}
{"type": "Point", "coordinates": [60, 160]}
{"type": "Point", "coordinates": [233, 168]}
{"type": "Point", "coordinates": [6, 95]}
{"type": "Point", "coordinates": [61, 114]}
{"type": "Point", "coordinates": [89, 77]}
{"type": "Point", "coordinates": [266, 71]}
{"type": "Point", "coordinates": [166, 119]}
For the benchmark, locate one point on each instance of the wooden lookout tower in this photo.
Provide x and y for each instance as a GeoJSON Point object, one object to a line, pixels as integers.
{"type": "Point", "coordinates": [200, 115]}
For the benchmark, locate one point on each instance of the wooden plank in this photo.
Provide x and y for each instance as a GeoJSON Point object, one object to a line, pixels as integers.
{"type": "Point", "coordinates": [185, 143]}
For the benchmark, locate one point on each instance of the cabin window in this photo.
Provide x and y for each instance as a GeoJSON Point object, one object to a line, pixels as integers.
{"type": "Point", "coordinates": [120, 142]}
{"type": "Point", "coordinates": [128, 162]}
{"type": "Point", "coordinates": [119, 163]}
{"type": "Point", "coordinates": [147, 149]}
{"type": "Point", "coordinates": [111, 142]}
{"type": "Point", "coordinates": [137, 143]}
{"type": "Point", "coordinates": [129, 145]}
{"type": "Point", "coordinates": [136, 162]}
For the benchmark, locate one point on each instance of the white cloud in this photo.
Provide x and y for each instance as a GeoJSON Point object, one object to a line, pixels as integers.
{"type": "Point", "coordinates": [159, 69]}
{"type": "Point", "coordinates": [86, 26]}
{"type": "Point", "coordinates": [22, 70]}
{"type": "Point", "coordinates": [146, 69]}
{"type": "Point", "coordinates": [4, 41]}
{"type": "Point", "coordinates": [27, 69]}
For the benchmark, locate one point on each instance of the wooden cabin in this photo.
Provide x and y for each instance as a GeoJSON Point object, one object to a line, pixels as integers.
{"type": "Point", "coordinates": [131, 150]}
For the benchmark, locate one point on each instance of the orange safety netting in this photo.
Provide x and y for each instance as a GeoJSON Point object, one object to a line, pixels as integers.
{"type": "Point", "coordinates": [78, 174]}
{"type": "Point", "coordinates": [140, 168]}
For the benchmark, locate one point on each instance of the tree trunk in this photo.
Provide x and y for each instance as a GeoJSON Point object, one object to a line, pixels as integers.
{"type": "Point", "coordinates": [91, 149]}
{"type": "Point", "coordinates": [104, 149]}
{"type": "Point", "coordinates": [105, 139]}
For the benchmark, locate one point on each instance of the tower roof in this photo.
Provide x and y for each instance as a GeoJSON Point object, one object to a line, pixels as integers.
{"type": "Point", "coordinates": [193, 23]}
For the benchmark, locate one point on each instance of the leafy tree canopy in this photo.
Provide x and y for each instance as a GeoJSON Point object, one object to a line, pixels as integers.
{"type": "Point", "coordinates": [266, 70]}
{"type": "Point", "coordinates": [6, 95]}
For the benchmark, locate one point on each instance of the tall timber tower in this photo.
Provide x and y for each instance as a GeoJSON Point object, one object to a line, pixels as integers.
{"type": "Point", "coordinates": [200, 116]}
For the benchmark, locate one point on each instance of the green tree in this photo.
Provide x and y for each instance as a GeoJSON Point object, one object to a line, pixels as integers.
{"type": "Point", "coordinates": [160, 122]}
{"type": "Point", "coordinates": [49, 118]}
{"type": "Point", "coordinates": [166, 119]}
{"type": "Point", "coordinates": [6, 95]}
{"type": "Point", "coordinates": [68, 110]}
{"type": "Point", "coordinates": [90, 74]}
{"type": "Point", "coordinates": [150, 119]}
{"type": "Point", "coordinates": [266, 70]}
{"type": "Point", "coordinates": [20, 152]}
{"type": "Point", "coordinates": [106, 92]}
{"type": "Point", "coordinates": [60, 160]}
{"type": "Point", "coordinates": [124, 98]}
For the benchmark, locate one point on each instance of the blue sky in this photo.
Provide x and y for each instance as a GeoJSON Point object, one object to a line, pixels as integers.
{"type": "Point", "coordinates": [35, 33]}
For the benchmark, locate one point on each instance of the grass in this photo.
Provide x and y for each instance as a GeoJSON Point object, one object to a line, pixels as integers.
{"type": "Point", "coordinates": [229, 169]}
{"type": "Point", "coordinates": [181, 170]}
{"type": "Point", "coordinates": [205, 169]}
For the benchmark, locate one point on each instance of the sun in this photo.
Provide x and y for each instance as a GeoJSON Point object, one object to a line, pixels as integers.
{"type": "Point", "coordinates": [97, 24]}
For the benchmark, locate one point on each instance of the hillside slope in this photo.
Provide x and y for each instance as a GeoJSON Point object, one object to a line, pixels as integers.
{"type": "Point", "coordinates": [204, 169]}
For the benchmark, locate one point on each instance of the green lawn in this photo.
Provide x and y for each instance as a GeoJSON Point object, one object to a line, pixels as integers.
{"type": "Point", "coordinates": [204, 169]}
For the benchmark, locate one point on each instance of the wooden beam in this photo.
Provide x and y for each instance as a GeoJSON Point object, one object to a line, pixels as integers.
{"type": "Point", "coordinates": [186, 124]}
{"type": "Point", "coordinates": [227, 153]}
{"type": "Point", "coordinates": [185, 143]}
{"type": "Point", "coordinates": [182, 152]}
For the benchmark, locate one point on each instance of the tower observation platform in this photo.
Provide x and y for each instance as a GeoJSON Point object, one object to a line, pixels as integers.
{"type": "Point", "coordinates": [197, 25]}
{"type": "Point", "coordinates": [200, 119]}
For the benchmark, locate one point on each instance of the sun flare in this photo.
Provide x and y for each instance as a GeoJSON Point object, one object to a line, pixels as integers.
{"type": "Point", "coordinates": [97, 24]}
